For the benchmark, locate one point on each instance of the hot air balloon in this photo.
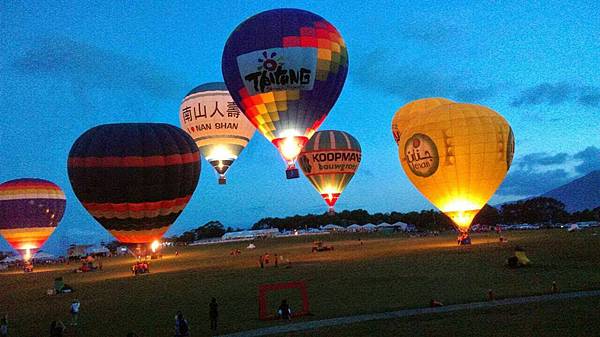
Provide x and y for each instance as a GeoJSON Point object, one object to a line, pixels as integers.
{"type": "Point", "coordinates": [329, 161]}
{"type": "Point", "coordinates": [285, 68]}
{"type": "Point", "coordinates": [134, 179]}
{"type": "Point", "coordinates": [211, 117]}
{"type": "Point", "coordinates": [30, 210]}
{"type": "Point", "coordinates": [457, 155]}
{"type": "Point", "coordinates": [410, 110]}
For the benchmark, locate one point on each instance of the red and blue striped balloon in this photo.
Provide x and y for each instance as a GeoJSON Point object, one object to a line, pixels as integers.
{"type": "Point", "coordinates": [134, 179]}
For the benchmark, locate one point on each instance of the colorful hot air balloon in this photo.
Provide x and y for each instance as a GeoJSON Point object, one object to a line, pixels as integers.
{"type": "Point", "coordinates": [211, 117]}
{"type": "Point", "coordinates": [410, 110]}
{"type": "Point", "coordinates": [285, 68]}
{"type": "Point", "coordinates": [30, 210]}
{"type": "Point", "coordinates": [329, 160]}
{"type": "Point", "coordinates": [134, 179]}
{"type": "Point", "coordinates": [457, 155]}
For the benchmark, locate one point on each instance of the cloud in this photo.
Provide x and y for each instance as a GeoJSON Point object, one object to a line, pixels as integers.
{"type": "Point", "coordinates": [380, 71]}
{"type": "Point", "coordinates": [590, 160]}
{"type": "Point", "coordinates": [527, 183]}
{"type": "Point", "coordinates": [558, 93]}
{"type": "Point", "coordinates": [542, 159]}
{"type": "Point", "coordinates": [88, 68]}
{"type": "Point", "coordinates": [537, 173]}
{"type": "Point", "coordinates": [432, 32]}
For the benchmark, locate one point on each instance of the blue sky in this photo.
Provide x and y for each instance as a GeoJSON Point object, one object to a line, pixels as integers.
{"type": "Point", "coordinates": [68, 66]}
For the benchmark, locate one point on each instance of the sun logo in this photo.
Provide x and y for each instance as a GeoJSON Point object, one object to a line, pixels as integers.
{"type": "Point", "coordinates": [269, 63]}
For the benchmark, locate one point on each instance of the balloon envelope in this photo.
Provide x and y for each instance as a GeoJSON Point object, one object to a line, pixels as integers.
{"type": "Point", "coordinates": [457, 155]}
{"type": "Point", "coordinates": [211, 117]}
{"type": "Point", "coordinates": [30, 210]}
{"type": "Point", "coordinates": [412, 109]}
{"type": "Point", "coordinates": [285, 68]}
{"type": "Point", "coordinates": [134, 179]}
{"type": "Point", "coordinates": [329, 161]}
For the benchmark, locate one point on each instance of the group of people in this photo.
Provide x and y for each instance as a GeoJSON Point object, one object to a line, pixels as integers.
{"type": "Point", "coordinates": [88, 265]}
{"type": "Point", "coordinates": [182, 327]}
{"type": "Point", "coordinates": [265, 259]}
{"type": "Point", "coordinates": [140, 267]}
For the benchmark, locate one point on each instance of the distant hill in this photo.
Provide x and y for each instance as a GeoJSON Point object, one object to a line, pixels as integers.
{"type": "Point", "coordinates": [581, 193]}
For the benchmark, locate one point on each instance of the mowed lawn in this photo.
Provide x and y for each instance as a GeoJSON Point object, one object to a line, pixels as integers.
{"type": "Point", "coordinates": [386, 272]}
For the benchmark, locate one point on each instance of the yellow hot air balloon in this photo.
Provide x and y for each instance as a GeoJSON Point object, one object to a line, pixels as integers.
{"type": "Point", "coordinates": [409, 110]}
{"type": "Point", "coordinates": [211, 117]}
{"type": "Point", "coordinates": [457, 155]}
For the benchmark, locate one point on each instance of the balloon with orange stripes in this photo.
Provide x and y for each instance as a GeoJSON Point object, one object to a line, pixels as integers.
{"type": "Point", "coordinates": [329, 161]}
{"type": "Point", "coordinates": [135, 179]}
{"type": "Point", "coordinates": [30, 210]}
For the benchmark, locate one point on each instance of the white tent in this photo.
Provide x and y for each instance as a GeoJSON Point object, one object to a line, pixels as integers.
{"type": "Point", "coordinates": [332, 227]}
{"type": "Point", "coordinates": [251, 246]}
{"type": "Point", "coordinates": [12, 259]}
{"type": "Point", "coordinates": [97, 250]}
{"type": "Point", "coordinates": [402, 225]}
{"type": "Point", "coordinates": [385, 225]}
{"type": "Point", "coordinates": [251, 234]}
{"type": "Point", "coordinates": [43, 256]}
{"type": "Point", "coordinates": [353, 228]}
{"type": "Point", "coordinates": [369, 227]}
{"type": "Point", "coordinates": [573, 228]}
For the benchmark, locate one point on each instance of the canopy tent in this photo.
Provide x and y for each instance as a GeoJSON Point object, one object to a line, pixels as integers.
{"type": "Point", "coordinates": [354, 228]}
{"type": "Point", "coordinates": [402, 225]}
{"type": "Point", "coordinates": [369, 227]}
{"type": "Point", "coordinates": [94, 250]}
{"type": "Point", "coordinates": [44, 256]}
{"type": "Point", "coordinates": [385, 225]}
{"type": "Point", "coordinates": [250, 234]}
{"type": "Point", "coordinates": [11, 259]}
{"type": "Point", "coordinates": [332, 227]}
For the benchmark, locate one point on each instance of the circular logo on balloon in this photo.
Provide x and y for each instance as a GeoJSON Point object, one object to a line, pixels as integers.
{"type": "Point", "coordinates": [510, 148]}
{"type": "Point", "coordinates": [421, 155]}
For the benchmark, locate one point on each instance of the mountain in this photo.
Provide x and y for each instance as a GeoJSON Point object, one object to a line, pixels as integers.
{"type": "Point", "coordinates": [581, 193]}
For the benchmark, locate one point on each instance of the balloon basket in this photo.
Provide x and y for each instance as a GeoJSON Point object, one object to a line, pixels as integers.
{"type": "Point", "coordinates": [222, 181]}
{"type": "Point", "coordinates": [292, 173]}
{"type": "Point", "coordinates": [331, 211]}
{"type": "Point", "coordinates": [464, 239]}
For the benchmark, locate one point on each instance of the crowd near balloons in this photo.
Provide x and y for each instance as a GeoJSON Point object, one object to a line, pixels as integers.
{"type": "Point", "coordinates": [283, 72]}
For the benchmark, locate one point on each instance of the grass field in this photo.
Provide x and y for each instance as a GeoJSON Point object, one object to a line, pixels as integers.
{"type": "Point", "coordinates": [387, 272]}
{"type": "Point", "coordinates": [555, 319]}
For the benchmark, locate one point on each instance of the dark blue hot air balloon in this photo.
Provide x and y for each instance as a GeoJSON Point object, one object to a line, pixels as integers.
{"type": "Point", "coordinates": [285, 68]}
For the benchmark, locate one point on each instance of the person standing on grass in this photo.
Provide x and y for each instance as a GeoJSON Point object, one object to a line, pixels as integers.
{"type": "Point", "coordinates": [75, 307]}
{"type": "Point", "coordinates": [182, 328]}
{"type": "Point", "coordinates": [4, 326]}
{"type": "Point", "coordinates": [284, 311]}
{"type": "Point", "coordinates": [56, 329]}
{"type": "Point", "coordinates": [213, 313]}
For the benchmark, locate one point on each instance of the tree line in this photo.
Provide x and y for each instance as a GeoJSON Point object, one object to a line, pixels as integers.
{"type": "Point", "coordinates": [540, 210]}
